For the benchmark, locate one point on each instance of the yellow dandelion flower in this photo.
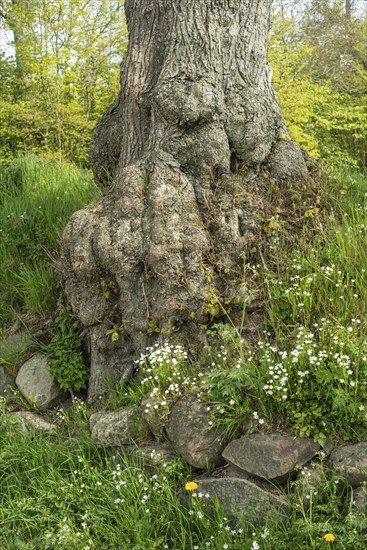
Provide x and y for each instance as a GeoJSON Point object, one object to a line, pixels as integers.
{"type": "Point", "coordinates": [191, 486]}
{"type": "Point", "coordinates": [329, 537]}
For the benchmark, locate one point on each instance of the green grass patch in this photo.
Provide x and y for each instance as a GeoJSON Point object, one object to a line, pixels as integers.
{"type": "Point", "coordinates": [57, 493]}
{"type": "Point", "coordinates": [37, 197]}
{"type": "Point", "coordinates": [325, 277]}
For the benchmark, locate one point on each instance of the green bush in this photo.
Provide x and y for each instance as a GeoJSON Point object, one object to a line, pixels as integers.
{"type": "Point", "coordinates": [66, 362]}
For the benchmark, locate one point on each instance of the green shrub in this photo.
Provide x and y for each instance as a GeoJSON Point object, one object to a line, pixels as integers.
{"type": "Point", "coordinates": [66, 363]}
{"type": "Point", "coordinates": [318, 384]}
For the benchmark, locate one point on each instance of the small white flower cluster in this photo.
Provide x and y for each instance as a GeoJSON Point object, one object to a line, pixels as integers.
{"type": "Point", "coordinates": [164, 370]}
{"type": "Point", "coordinates": [79, 405]}
{"type": "Point", "coordinates": [60, 414]}
{"type": "Point", "coordinates": [278, 380]}
{"type": "Point", "coordinates": [255, 416]}
{"type": "Point", "coordinates": [117, 473]}
{"type": "Point", "coordinates": [161, 355]}
{"type": "Point", "coordinates": [223, 528]}
{"type": "Point", "coordinates": [79, 408]}
{"type": "Point", "coordinates": [67, 534]}
{"type": "Point", "coordinates": [327, 357]}
{"type": "Point", "coordinates": [200, 495]}
{"type": "Point", "coordinates": [300, 286]}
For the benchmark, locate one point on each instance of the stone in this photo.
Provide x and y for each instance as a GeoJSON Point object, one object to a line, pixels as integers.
{"type": "Point", "coordinates": [36, 384]}
{"type": "Point", "coordinates": [147, 408]}
{"type": "Point", "coordinates": [328, 445]}
{"type": "Point", "coordinates": [350, 461]}
{"type": "Point", "coordinates": [6, 380]}
{"type": "Point", "coordinates": [358, 502]}
{"type": "Point", "coordinates": [192, 436]}
{"type": "Point", "coordinates": [14, 344]}
{"type": "Point", "coordinates": [28, 421]}
{"type": "Point", "coordinates": [272, 457]}
{"type": "Point", "coordinates": [118, 428]}
{"type": "Point", "coordinates": [241, 499]}
{"type": "Point", "coordinates": [230, 471]}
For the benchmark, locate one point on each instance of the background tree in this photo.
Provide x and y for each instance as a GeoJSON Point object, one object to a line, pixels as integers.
{"type": "Point", "coordinates": [65, 74]}
{"type": "Point", "coordinates": [14, 13]}
{"type": "Point", "coordinates": [320, 75]}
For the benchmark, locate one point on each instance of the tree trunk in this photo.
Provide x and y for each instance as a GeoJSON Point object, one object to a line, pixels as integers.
{"type": "Point", "coordinates": [192, 142]}
{"type": "Point", "coordinates": [348, 10]}
{"type": "Point", "coordinates": [16, 20]}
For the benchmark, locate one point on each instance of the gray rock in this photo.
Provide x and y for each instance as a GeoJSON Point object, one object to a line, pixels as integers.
{"type": "Point", "coordinates": [27, 420]}
{"type": "Point", "coordinates": [241, 500]}
{"type": "Point", "coordinates": [118, 428]}
{"type": "Point", "coordinates": [147, 407]}
{"type": "Point", "coordinates": [14, 344]}
{"type": "Point", "coordinates": [230, 471]}
{"type": "Point", "coordinates": [328, 445]}
{"type": "Point", "coordinates": [35, 382]}
{"type": "Point", "coordinates": [358, 502]}
{"type": "Point", "coordinates": [6, 380]}
{"type": "Point", "coordinates": [350, 462]}
{"type": "Point", "coordinates": [192, 436]}
{"type": "Point", "coordinates": [272, 457]}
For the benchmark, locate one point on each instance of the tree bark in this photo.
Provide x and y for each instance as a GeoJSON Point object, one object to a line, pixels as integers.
{"type": "Point", "coordinates": [348, 10]}
{"type": "Point", "coordinates": [192, 142]}
{"type": "Point", "coordinates": [15, 20]}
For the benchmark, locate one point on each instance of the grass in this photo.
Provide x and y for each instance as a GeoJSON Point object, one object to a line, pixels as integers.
{"type": "Point", "coordinates": [326, 277]}
{"type": "Point", "coordinates": [307, 374]}
{"type": "Point", "coordinates": [62, 494]}
{"type": "Point", "coordinates": [37, 197]}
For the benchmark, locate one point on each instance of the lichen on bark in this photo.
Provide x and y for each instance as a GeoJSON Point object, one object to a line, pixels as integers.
{"type": "Point", "coordinates": [196, 119]}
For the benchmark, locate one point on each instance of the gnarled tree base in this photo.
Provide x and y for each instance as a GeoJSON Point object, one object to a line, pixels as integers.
{"type": "Point", "coordinates": [201, 138]}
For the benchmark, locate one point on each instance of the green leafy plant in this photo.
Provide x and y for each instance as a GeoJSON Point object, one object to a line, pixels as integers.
{"type": "Point", "coordinates": [226, 373]}
{"type": "Point", "coordinates": [230, 383]}
{"type": "Point", "coordinates": [108, 288]}
{"type": "Point", "coordinates": [318, 384]}
{"type": "Point", "coordinates": [65, 351]}
{"type": "Point", "coordinates": [114, 332]}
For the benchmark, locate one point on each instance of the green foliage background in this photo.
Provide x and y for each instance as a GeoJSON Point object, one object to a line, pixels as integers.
{"type": "Point", "coordinates": [63, 75]}
{"type": "Point", "coordinates": [320, 73]}
{"type": "Point", "coordinates": [61, 491]}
